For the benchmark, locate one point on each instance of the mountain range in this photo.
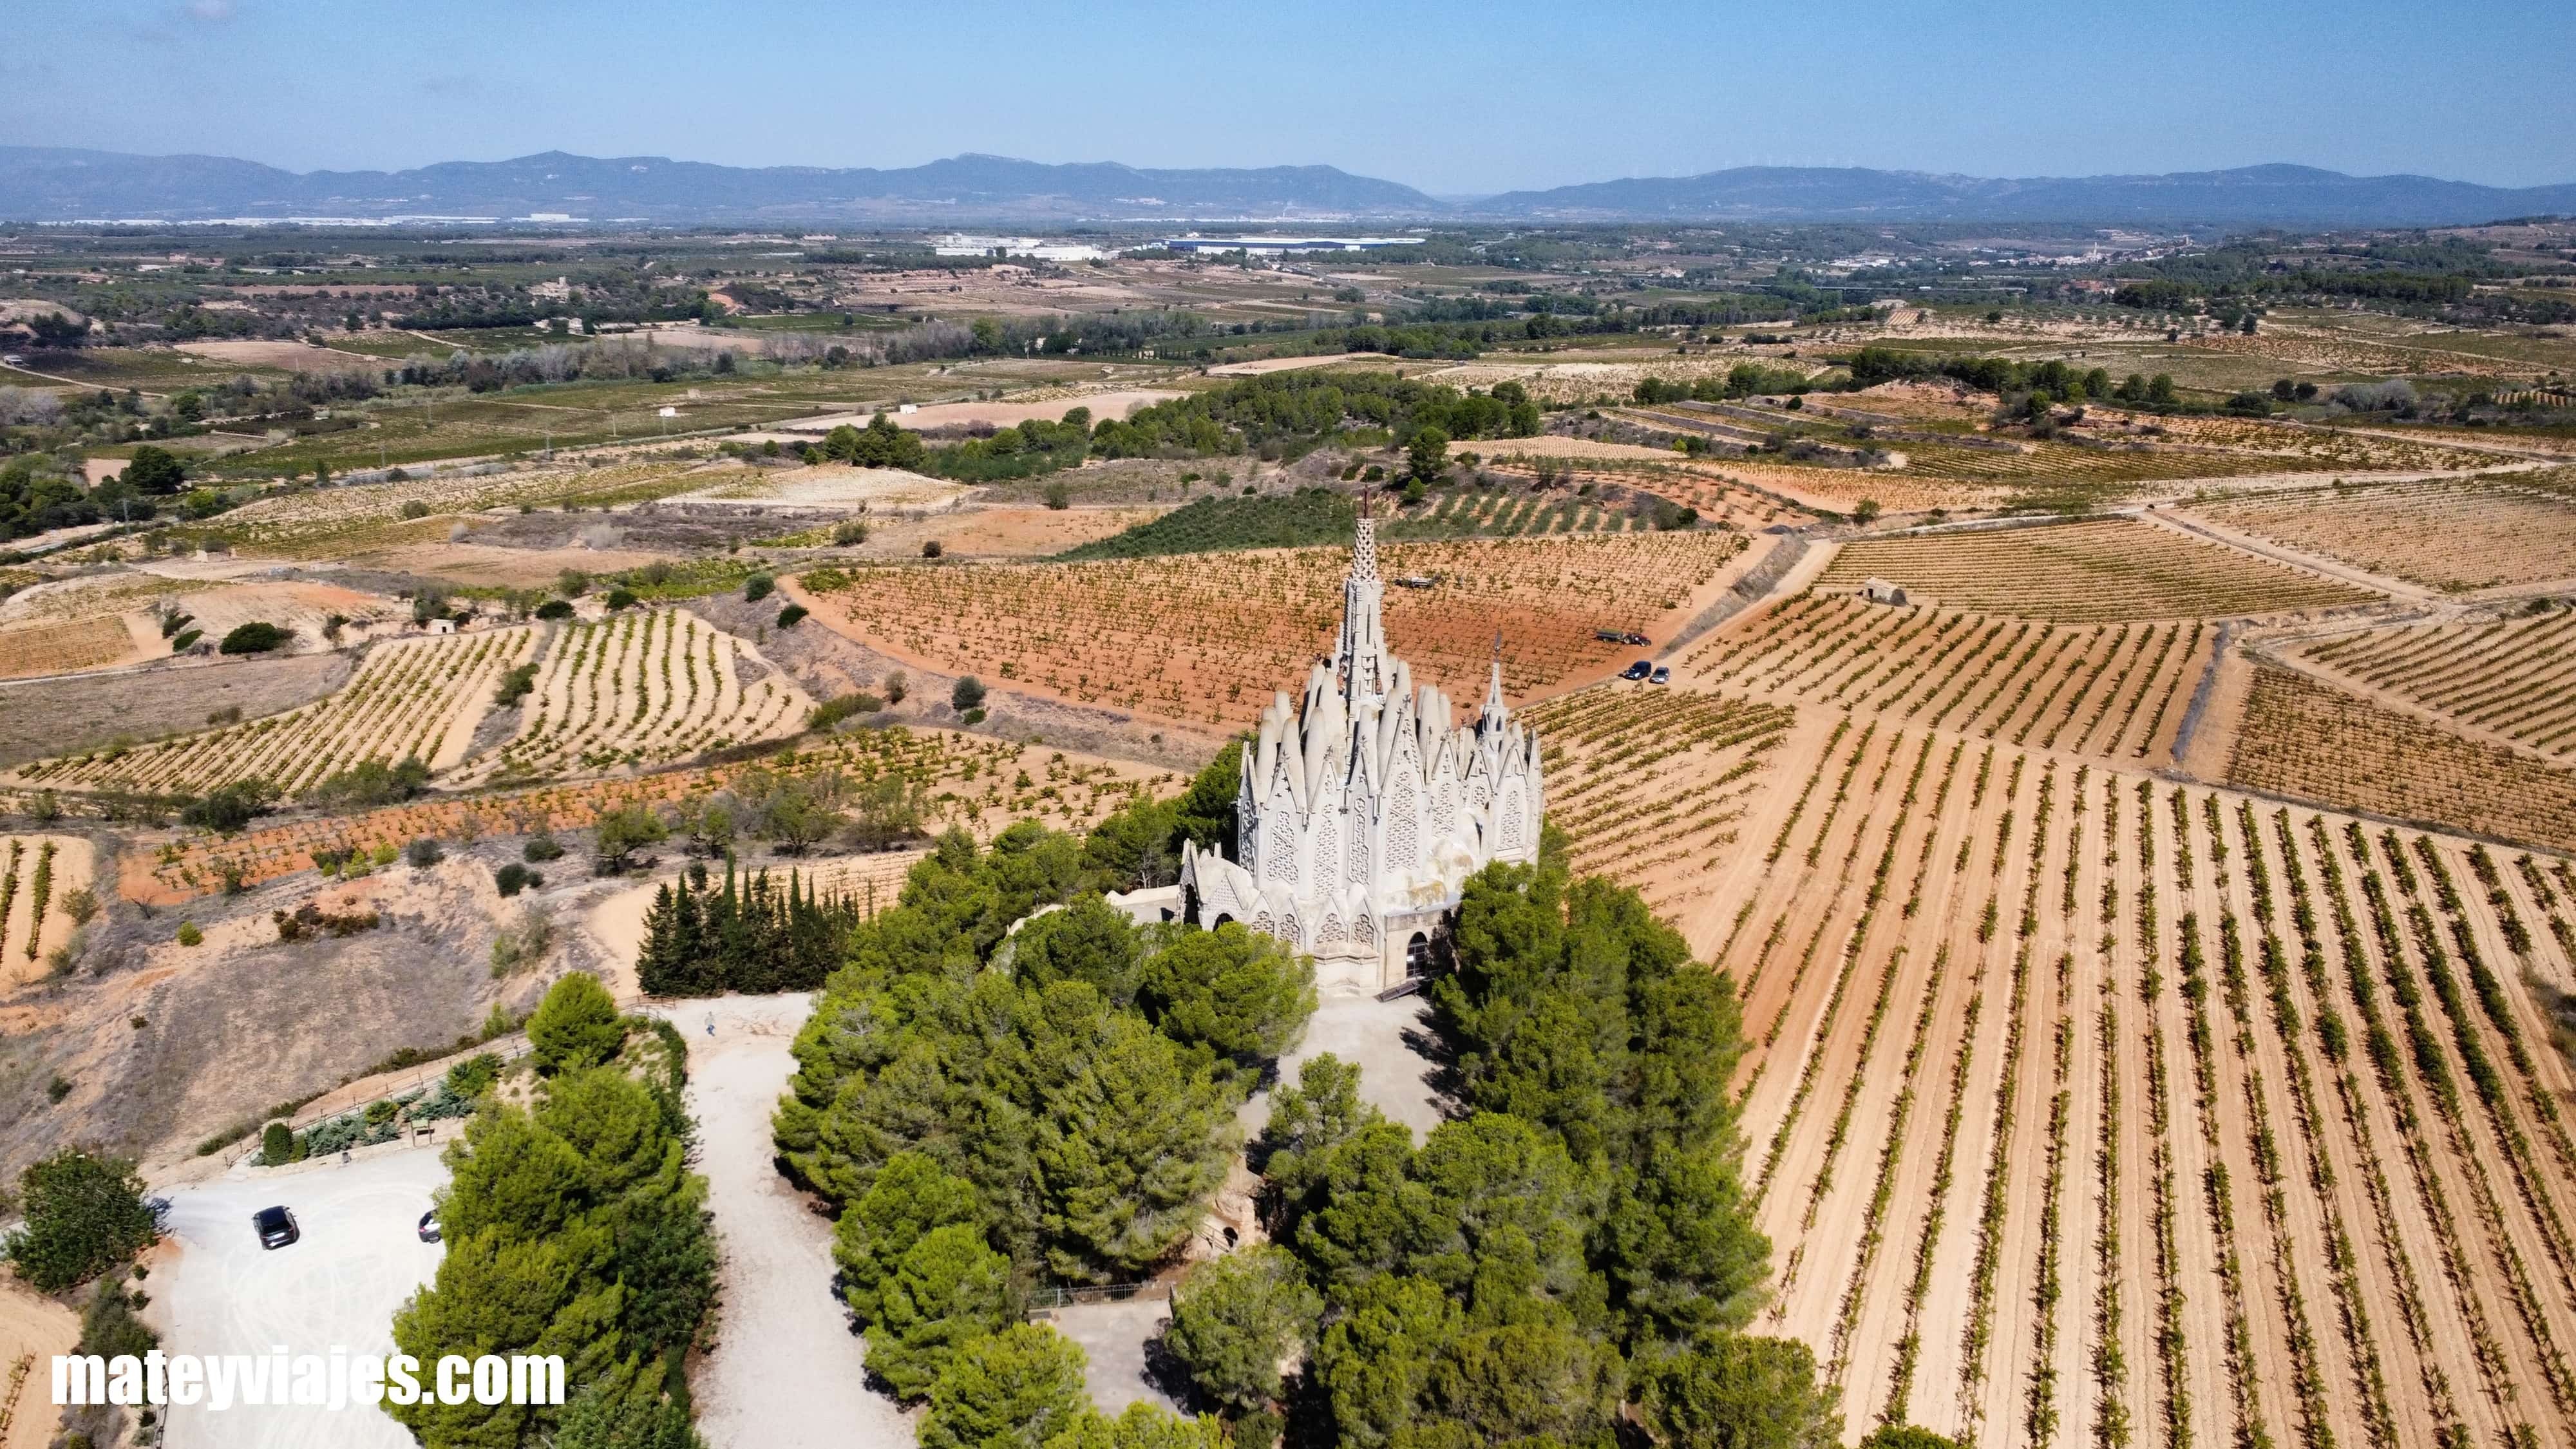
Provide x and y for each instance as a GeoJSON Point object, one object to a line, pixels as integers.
{"type": "Point", "coordinates": [60, 184]}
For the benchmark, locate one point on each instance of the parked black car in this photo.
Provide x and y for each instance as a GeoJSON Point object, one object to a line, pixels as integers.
{"type": "Point", "coordinates": [276, 1227]}
{"type": "Point", "coordinates": [1638, 670]}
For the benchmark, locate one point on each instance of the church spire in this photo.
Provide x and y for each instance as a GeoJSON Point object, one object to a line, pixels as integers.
{"type": "Point", "coordinates": [1495, 709]}
{"type": "Point", "coordinates": [1361, 659]}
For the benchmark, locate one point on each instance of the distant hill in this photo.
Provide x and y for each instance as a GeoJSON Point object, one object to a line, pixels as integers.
{"type": "Point", "coordinates": [2247, 196]}
{"type": "Point", "coordinates": [55, 184]}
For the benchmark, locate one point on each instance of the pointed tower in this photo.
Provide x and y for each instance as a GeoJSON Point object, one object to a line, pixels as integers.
{"type": "Point", "coordinates": [1360, 660]}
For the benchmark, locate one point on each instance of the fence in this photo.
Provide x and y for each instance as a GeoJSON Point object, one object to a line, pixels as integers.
{"type": "Point", "coordinates": [1067, 1295]}
{"type": "Point", "coordinates": [421, 1077]}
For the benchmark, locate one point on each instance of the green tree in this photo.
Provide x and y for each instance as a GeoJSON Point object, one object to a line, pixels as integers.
{"type": "Point", "coordinates": [1734, 1391]}
{"type": "Point", "coordinates": [950, 1289]}
{"type": "Point", "coordinates": [502, 1294]}
{"type": "Point", "coordinates": [1009, 1390]}
{"type": "Point", "coordinates": [85, 1214]}
{"type": "Point", "coordinates": [1207, 808]}
{"type": "Point", "coordinates": [619, 832]}
{"type": "Point", "coordinates": [576, 1025]}
{"type": "Point", "coordinates": [1126, 1147]}
{"type": "Point", "coordinates": [1242, 994]}
{"type": "Point", "coordinates": [912, 1195]}
{"type": "Point", "coordinates": [968, 693]}
{"type": "Point", "coordinates": [1376, 1360]}
{"type": "Point", "coordinates": [1907, 1436]}
{"type": "Point", "coordinates": [155, 470]}
{"type": "Point", "coordinates": [1235, 1318]}
{"type": "Point", "coordinates": [1144, 1426]}
{"type": "Point", "coordinates": [508, 1171]}
{"type": "Point", "coordinates": [1426, 455]}
{"type": "Point", "coordinates": [1309, 1122]}
{"type": "Point", "coordinates": [256, 637]}
{"type": "Point", "coordinates": [1088, 941]}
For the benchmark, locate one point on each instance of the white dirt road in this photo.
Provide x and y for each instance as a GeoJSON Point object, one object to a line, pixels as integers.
{"type": "Point", "coordinates": [359, 1258]}
{"type": "Point", "coordinates": [786, 1371]}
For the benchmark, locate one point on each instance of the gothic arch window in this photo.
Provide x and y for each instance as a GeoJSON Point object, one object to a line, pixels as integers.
{"type": "Point", "coordinates": [1328, 850]}
{"type": "Point", "coordinates": [1281, 862]}
{"type": "Point", "coordinates": [1332, 931]}
{"type": "Point", "coordinates": [1358, 869]}
{"type": "Point", "coordinates": [1364, 930]}
{"type": "Point", "coordinates": [1513, 834]}
{"type": "Point", "coordinates": [1289, 932]}
{"type": "Point", "coordinates": [1265, 925]}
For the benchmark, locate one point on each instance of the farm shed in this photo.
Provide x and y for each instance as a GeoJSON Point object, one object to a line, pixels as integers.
{"type": "Point", "coordinates": [1880, 591]}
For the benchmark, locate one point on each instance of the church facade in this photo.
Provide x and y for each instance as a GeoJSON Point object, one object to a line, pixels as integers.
{"type": "Point", "coordinates": [1364, 809]}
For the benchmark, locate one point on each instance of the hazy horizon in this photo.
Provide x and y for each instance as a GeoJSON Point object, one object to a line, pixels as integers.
{"type": "Point", "coordinates": [1451, 101]}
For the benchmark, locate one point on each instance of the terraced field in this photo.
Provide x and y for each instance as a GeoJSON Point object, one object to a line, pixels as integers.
{"type": "Point", "coordinates": [38, 875]}
{"type": "Point", "coordinates": [412, 698]}
{"type": "Point", "coordinates": [2314, 741]}
{"type": "Point", "coordinates": [2458, 535]}
{"type": "Point", "coordinates": [2515, 676]}
{"type": "Point", "coordinates": [640, 689]}
{"type": "Point", "coordinates": [1204, 640]}
{"type": "Point", "coordinates": [973, 782]}
{"type": "Point", "coordinates": [2104, 571]}
{"type": "Point", "coordinates": [2102, 689]}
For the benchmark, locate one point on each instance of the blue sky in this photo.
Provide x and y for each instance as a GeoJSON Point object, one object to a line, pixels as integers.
{"type": "Point", "coordinates": [1451, 98]}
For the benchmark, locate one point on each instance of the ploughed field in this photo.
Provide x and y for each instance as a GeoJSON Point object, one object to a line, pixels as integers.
{"type": "Point", "coordinates": [2457, 535]}
{"type": "Point", "coordinates": [2087, 1107]}
{"type": "Point", "coordinates": [412, 698]}
{"type": "Point", "coordinates": [2115, 689]}
{"type": "Point", "coordinates": [1204, 640]}
{"type": "Point", "coordinates": [2303, 737]}
{"type": "Point", "coordinates": [2103, 571]}
{"type": "Point", "coordinates": [2514, 678]}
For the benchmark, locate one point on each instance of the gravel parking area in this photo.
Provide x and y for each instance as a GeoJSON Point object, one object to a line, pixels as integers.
{"type": "Point", "coordinates": [359, 1258]}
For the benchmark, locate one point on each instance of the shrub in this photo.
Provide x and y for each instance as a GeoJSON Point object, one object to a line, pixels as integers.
{"type": "Point", "coordinates": [621, 597]}
{"type": "Point", "coordinates": [415, 509]}
{"type": "Point", "coordinates": [790, 616]}
{"type": "Point", "coordinates": [513, 878]}
{"type": "Point", "coordinates": [757, 588]}
{"type": "Point", "coordinates": [849, 534]}
{"type": "Point", "coordinates": [84, 1215]}
{"type": "Point", "coordinates": [189, 935]}
{"type": "Point", "coordinates": [423, 853]}
{"type": "Point", "coordinates": [523, 942]}
{"type": "Point", "coordinates": [555, 609]}
{"type": "Point", "coordinates": [542, 846]}
{"type": "Point", "coordinates": [575, 1026]}
{"type": "Point", "coordinates": [516, 684]}
{"type": "Point", "coordinates": [370, 783]}
{"type": "Point", "coordinates": [186, 639]}
{"type": "Point", "coordinates": [1058, 496]}
{"type": "Point", "coordinates": [966, 694]}
{"type": "Point", "coordinates": [276, 1145]}
{"type": "Point", "coordinates": [832, 711]}
{"type": "Point", "coordinates": [931, 549]}
{"type": "Point", "coordinates": [255, 637]}
{"type": "Point", "coordinates": [230, 807]}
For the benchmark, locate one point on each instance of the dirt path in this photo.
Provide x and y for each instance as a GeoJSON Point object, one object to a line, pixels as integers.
{"type": "Point", "coordinates": [2282, 553]}
{"type": "Point", "coordinates": [786, 1372]}
{"type": "Point", "coordinates": [41, 1328]}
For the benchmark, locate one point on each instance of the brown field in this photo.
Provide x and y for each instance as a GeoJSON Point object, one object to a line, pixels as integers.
{"type": "Point", "coordinates": [419, 697]}
{"type": "Point", "coordinates": [2458, 536]}
{"type": "Point", "coordinates": [1204, 640]}
{"type": "Point", "coordinates": [2513, 678]}
{"type": "Point", "coordinates": [66, 648]}
{"type": "Point", "coordinates": [2100, 689]}
{"type": "Point", "coordinates": [2097, 572]}
{"type": "Point", "coordinates": [2058, 1116]}
{"type": "Point", "coordinates": [2307, 739]}
{"type": "Point", "coordinates": [978, 784]}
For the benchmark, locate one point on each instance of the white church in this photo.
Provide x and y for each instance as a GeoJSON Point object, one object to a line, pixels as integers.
{"type": "Point", "coordinates": [1362, 814]}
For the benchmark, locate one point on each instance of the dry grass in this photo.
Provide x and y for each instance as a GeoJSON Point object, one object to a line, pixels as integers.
{"type": "Point", "coordinates": [2457, 536]}
{"type": "Point", "coordinates": [2097, 572]}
